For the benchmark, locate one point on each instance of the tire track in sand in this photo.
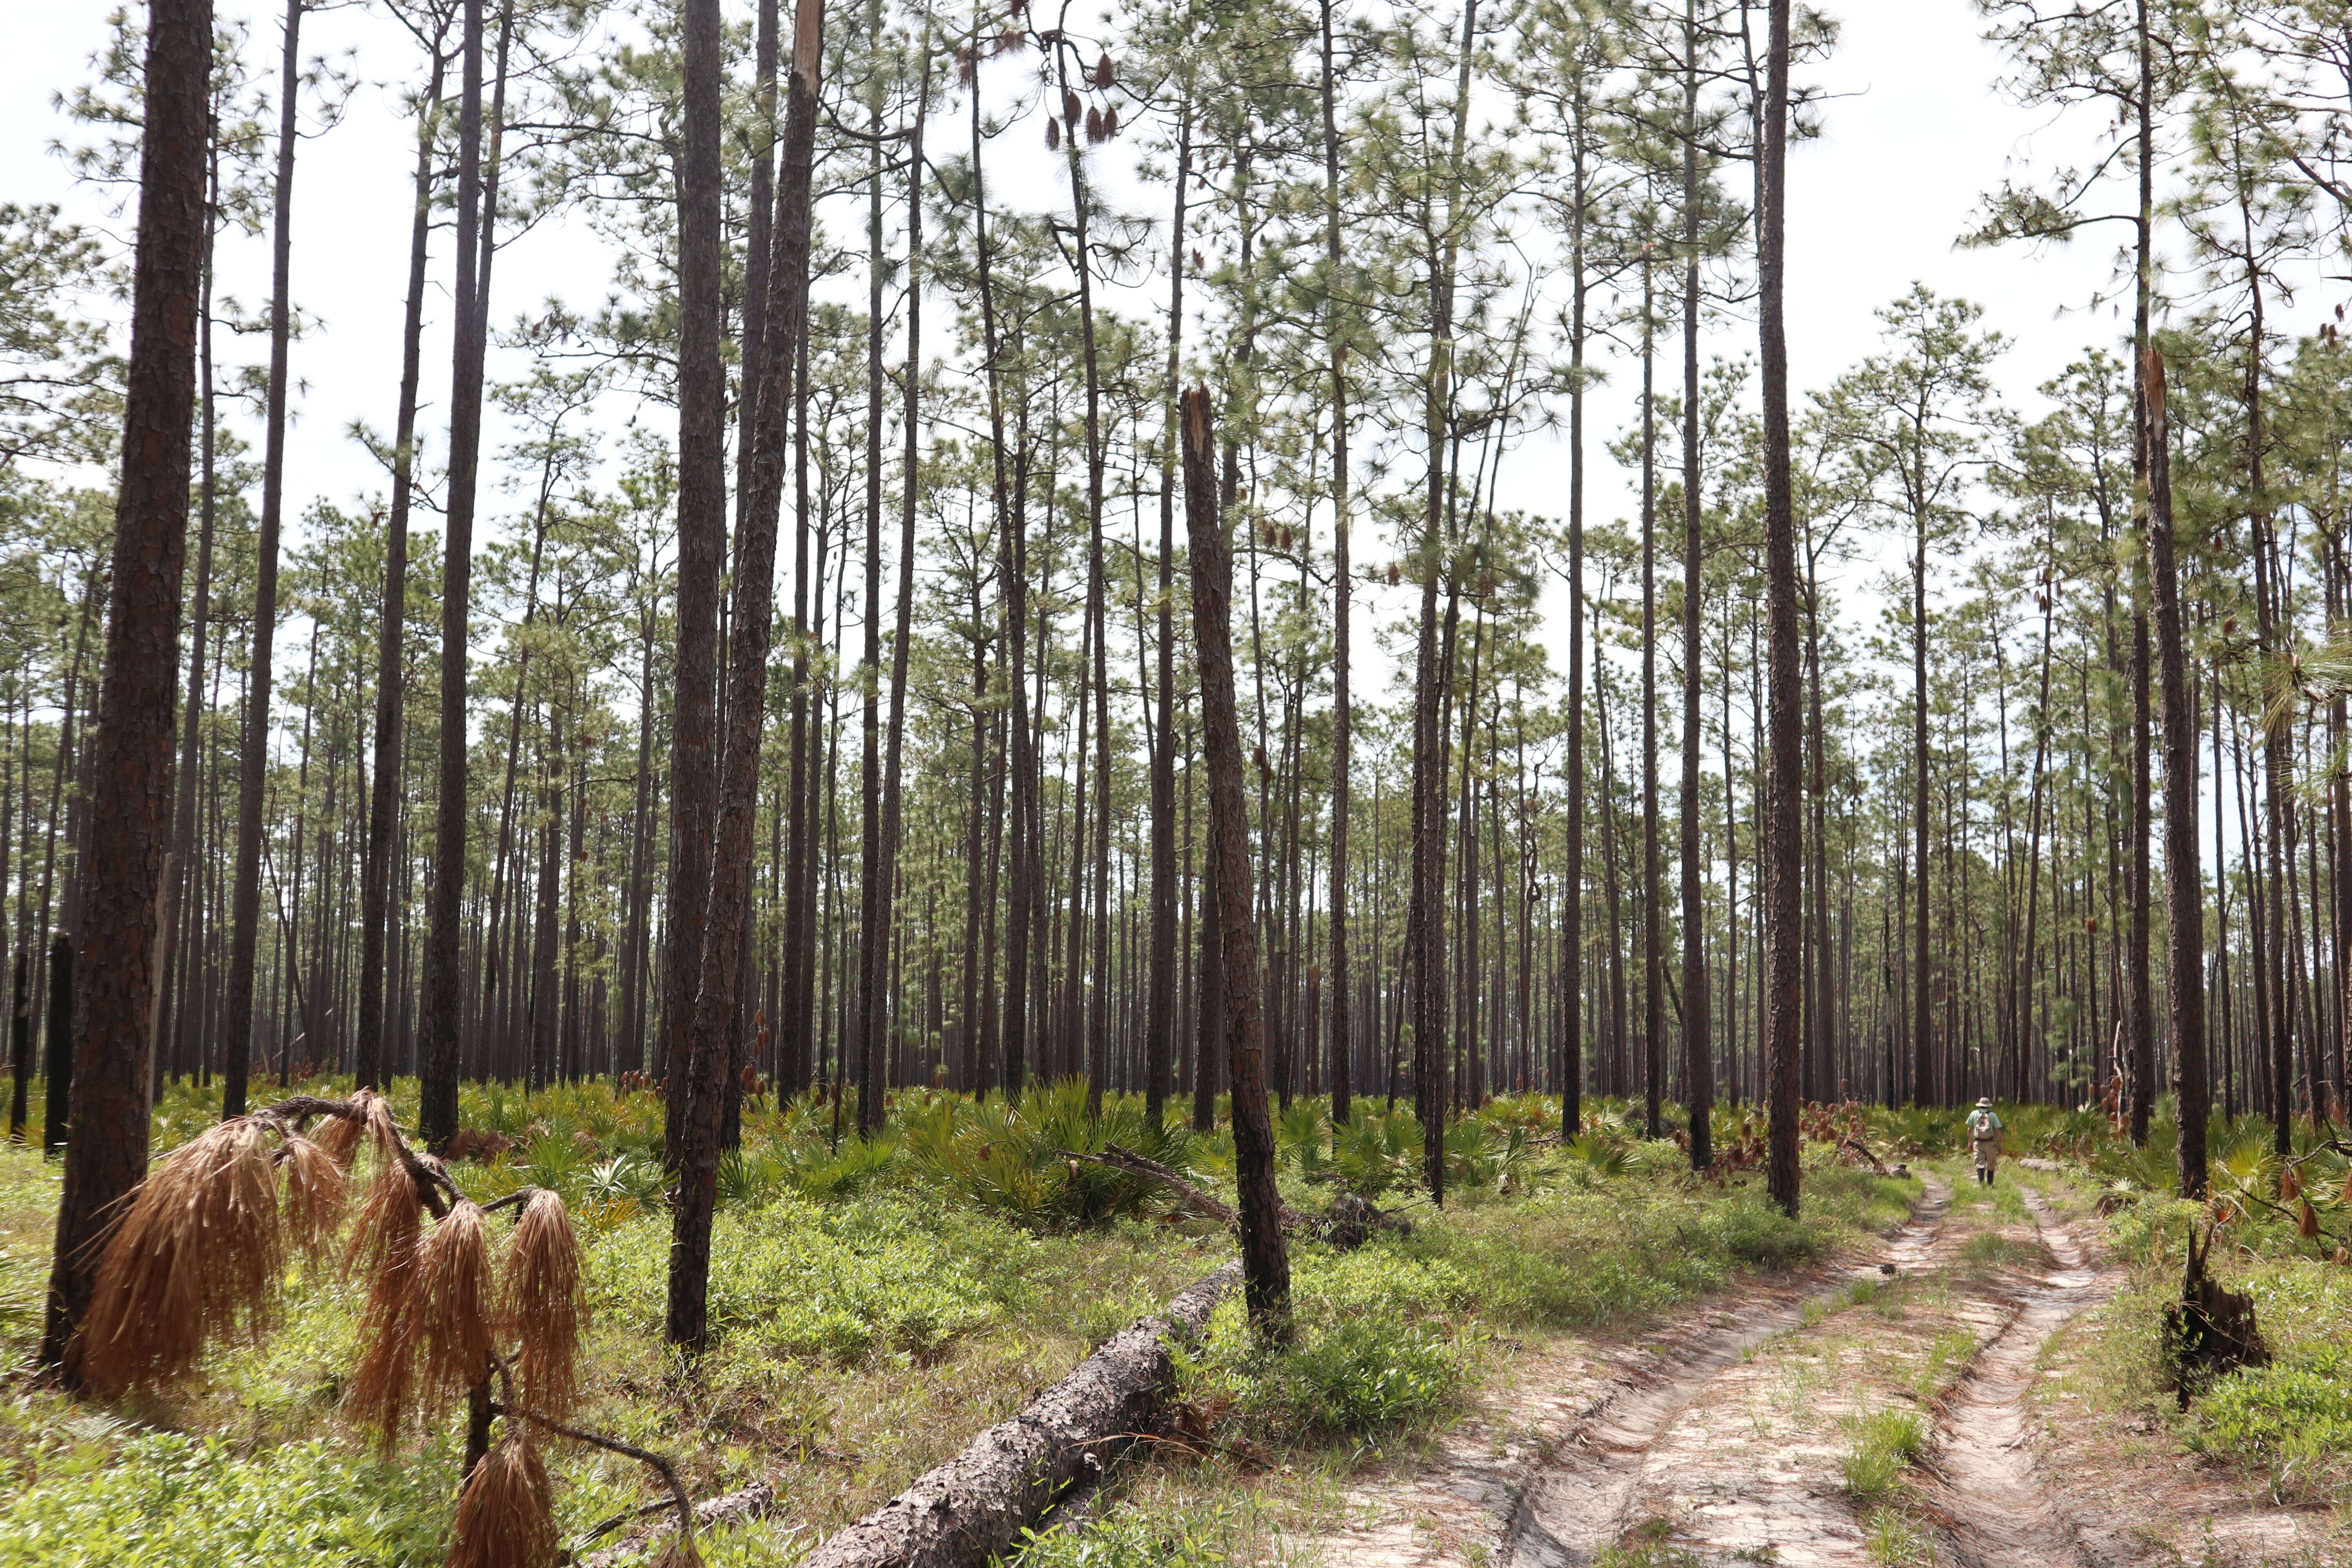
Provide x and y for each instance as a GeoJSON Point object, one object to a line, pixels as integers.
{"type": "Point", "coordinates": [1675, 1453]}
{"type": "Point", "coordinates": [1990, 1499]}
{"type": "Point", "coordinates": [1538, 1474]}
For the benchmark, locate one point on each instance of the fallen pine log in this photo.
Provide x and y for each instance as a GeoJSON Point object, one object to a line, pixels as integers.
{"type": "Point", "coordinates": [976, 1505]}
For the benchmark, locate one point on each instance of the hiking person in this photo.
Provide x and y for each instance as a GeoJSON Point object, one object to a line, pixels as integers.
{"type": "Point", "coordinates": [1984, 1132]}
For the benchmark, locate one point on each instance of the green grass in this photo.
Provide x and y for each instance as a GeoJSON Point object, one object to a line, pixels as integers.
{"type": "Point", "coordinates": [146, 1500]}
{"type": "Point", "coordinates": [1373, 1348]}
{"type": "Point", "coordinates": [1895, 1539]}
{"type": "Point", "coordinates": [1950, 1352]}
{"type": "Point", "coordinates": [879, 1301]}
{"type": "Point", "coordinates": [1992, 1249]}
{"type": "Point", "coordinates": [1645, 1546]}
{"type": "Point", "coordinates": [1577, 1257]}
{"type": "Point", "coordinates": [1882, 1447]}
{"type": "Point", "coordinates": [2292, 1419]}
{"type": "Point", "coordinates": [1175, 1537]}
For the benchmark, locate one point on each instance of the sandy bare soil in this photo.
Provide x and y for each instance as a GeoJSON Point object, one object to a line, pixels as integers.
{"type": "Point", "coordinates": [1731, 1435]}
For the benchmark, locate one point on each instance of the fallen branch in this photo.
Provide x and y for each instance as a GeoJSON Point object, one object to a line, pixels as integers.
{"type": "Point", "coordinates": [976, 1505]}
{"type": "Point", "coordinates": [1856, 1146]}
{"type": "Point", "coordinates": [741, 1506]}
{"type": "Point", "coordinates": [1205, 1205]}
{"type": "Point", "coordinates": [1353, 1218]}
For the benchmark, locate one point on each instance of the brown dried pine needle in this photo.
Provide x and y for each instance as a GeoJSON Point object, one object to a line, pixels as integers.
{"type": "Point", "coordinates": [545, 1305]}
{"type": "Point", "coordinates": [388, 1216]}
{"type": "Point", "coordinates": [339, 1135]}
{"type": "Point", "coordinates": [315, 1195]}
{"type": "Point", "coordinates": [506, 1519]}
{"type": "Point", "coordinates": [453, 1277]}
{"type": "Point", "coordinates": [391, 1322]}
{"type": "Point", "coordinates": [196, 1258]}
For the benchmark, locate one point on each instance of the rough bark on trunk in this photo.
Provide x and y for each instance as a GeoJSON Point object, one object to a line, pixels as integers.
{"type": "Point", "coordinates": [728, 906]}
{"type": "Point", "coordinates": [874, 932]}
{"type": "Point", "coordinates": [2184, 889]}
{"type": "Point", "coordinates": [1783, 819]}
{"type": "Point", "coordinates": [1699, 1069]}
{"type": "Point", "coordinates": [107, 1156]}
{"type": "Point", "coordinates": [443, 1000]}
{"type": "Point", "coordinates": [254, 749]}
{"type": "Point", "coordinates": [1265, 1262]}
{"type": "Point", "coordinates": [894, 743]}
{"type": "Point", "coordinates": [702, 540]}
{"type": "Point", "coordinates": [1654, 949]}
{"type": "Point", "coordinates": [376, 880]}
{"type": "Point", "coordinates": [1571, 938]}
{"type": "Point", "coordinates": [1343, 1033]}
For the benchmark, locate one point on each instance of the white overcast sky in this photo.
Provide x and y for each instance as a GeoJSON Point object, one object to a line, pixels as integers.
{"type": "Point", "coordinates": [1913, 131]}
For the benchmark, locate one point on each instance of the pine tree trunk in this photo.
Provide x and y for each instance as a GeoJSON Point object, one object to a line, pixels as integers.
{"type": "Point", "coordinates": [2184, 885]}
{"type": "Point", "coordinates": [246, 911]}
{"type": "Point", "coordinates": [1698, 1065]}
{"type": "Point", "coordinates": [1783, 819]}
{"type": "Point", "coordinates": [384, 800]}
{"type": "Point", "coordinates": [799, 1039]}
{"type": "Point", "coordinates": [107, 1155]}
{"type": "Point", "coordinates": [186, 778]}
{"type": "Point", "coordinates": [540, 1070]}
{"type": "Point", "coordinates": [1265, 1262]}
{"type": "Point", "coordinates": [1571, 922]}
{"type": "Point", "coordinates": [1011, 592]}
{"type": "Point", "coordinates": [1654, 947]}
{"type": "Point", "coordinates": [701, 541]}
{"type": "Point", "coordinates": [909, 486]}
{"type": "Point", "coordinates": [874, 931]}
{"type": "Point", "coordinates": [443, 1002]}
{"type": "Point", "coordinates": [728, 907]}
{"type": "Point", "coordinates": [1160, 1048]}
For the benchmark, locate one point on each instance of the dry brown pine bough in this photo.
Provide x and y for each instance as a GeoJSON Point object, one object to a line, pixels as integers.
{"type": "Point", "coordinates": [200, 1256]}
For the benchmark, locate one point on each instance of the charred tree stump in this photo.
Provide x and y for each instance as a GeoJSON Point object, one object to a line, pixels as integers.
{"type": "Point", "coordinates": [2210, 1329]}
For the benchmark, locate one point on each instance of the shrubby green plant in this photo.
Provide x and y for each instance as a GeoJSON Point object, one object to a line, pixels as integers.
{"type": "Point", "coordinates": [1016, 1158]}
{"type": "Point", "coordinates": [1374, 1347]}
{"type": "Point", "coordinates": [2282, 1418]}
{"type": "Point", "coordinates": [2293, 1418]}
{"type": "Point", "coordinates": [148, 1499]}
{"type": "Point", "coordinates": [1374, 1152]}
{"type": "Point", "coordinates": [1883, 1445]}
{"type": "Point", "coordinates": [624, 1178]}
{"type": "Point", "coordinates": [749, 1177]}
{"type": "Point", "coordinates": [842, 1283]}
{"type": "Point", "coordinates": [1143, 1538]}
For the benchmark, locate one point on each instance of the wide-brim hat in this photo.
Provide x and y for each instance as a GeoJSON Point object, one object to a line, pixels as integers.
{"type": "Point", "coordinates": [1984, 1104]}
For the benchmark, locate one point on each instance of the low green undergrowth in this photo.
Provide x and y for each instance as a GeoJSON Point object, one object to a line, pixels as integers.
{"type": "Point", "coordinates": [1883, 1445]}
{"type": "Point", "coordinates": [1157, 1526]}
{"type": "Point", "coordinates": [1992, 1249]}
{"type": "Point", "coordinates": [1579, 1258]}
{"type": "Point", "coordinates": [1647, 1545]}
{"type": "Point", "coordinates": [2291, 1421]}
{"type": "Point", "coordinates": [1374, 1347]}
{"type": "Point", "coordinates": [124, 1498]}
{"type": "Point", "coordinates": [879, 1300]}
{"type": "Point", "coordinates": [2293, 1417]}
{"type": "Point", "coordinates": [841, 1282]}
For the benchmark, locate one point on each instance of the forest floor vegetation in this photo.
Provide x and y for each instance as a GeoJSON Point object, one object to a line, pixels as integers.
{"type": "Point", "coordinates": [878, 1301]}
